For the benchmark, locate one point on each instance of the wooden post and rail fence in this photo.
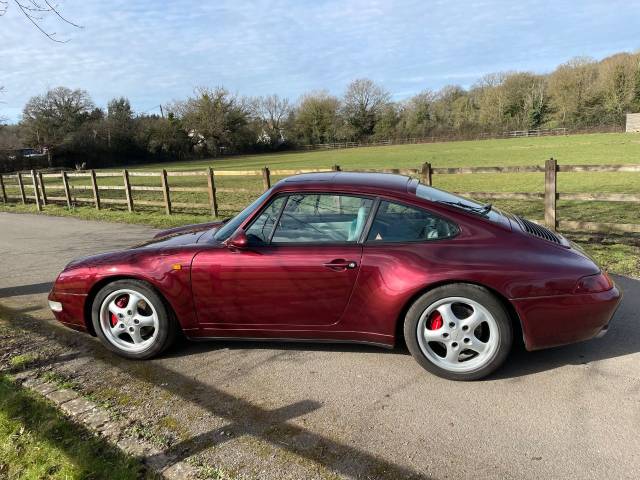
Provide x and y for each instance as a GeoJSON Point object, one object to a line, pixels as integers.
{"type": "Point", "coordinates": [425, 173]}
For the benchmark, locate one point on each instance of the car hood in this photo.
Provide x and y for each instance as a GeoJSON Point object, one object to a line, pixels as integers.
{"type": "Point", "coordinates": [186, 229]}
{"type": "Point", "coordinates": [166, 239]}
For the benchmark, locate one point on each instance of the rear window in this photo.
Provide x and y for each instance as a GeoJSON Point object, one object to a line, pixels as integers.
{"type": "Point", "coordinates": [440, 196]}
{"type": "Point", "coordinates": [395, 222]}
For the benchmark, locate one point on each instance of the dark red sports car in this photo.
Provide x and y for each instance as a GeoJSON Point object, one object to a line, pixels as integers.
{"type": "Point", "coordinates": [347, 257]}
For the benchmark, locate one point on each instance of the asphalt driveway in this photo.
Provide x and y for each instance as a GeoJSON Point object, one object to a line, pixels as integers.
{"type": "Point", "coordinates": [306, 411]}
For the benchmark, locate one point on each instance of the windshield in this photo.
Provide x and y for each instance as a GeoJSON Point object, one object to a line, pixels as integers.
{"type": "Point", "coordinates": [233, 224]}
{"type": "Point", "coordinates": [440, 196]}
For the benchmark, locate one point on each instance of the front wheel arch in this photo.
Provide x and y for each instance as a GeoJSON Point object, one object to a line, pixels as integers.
{"type": "Point", "coordinates": [99, 285]}
{"type": "Point", "coordinates": [516, 321]}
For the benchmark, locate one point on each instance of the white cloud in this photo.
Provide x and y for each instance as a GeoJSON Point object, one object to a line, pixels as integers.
{"type": "Point", "coordinates": [154, 51]}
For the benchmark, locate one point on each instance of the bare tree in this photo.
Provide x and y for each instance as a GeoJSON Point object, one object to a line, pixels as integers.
{"type": "Point", "coordinates": [35, 11]}
{"type": "Point", "coordinates": [2, 118]}
{"type": "Point", "coordinates": [272, 112]}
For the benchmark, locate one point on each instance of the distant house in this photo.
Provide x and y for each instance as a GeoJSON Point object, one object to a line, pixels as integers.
{"type": "Point", "coordinates": [27, 153]}
{"type": "Point", "coordinates": [633, 123]}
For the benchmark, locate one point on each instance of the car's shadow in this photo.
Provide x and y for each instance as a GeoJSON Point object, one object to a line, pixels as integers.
{"type": "Point", "coordinates": [623, 338]}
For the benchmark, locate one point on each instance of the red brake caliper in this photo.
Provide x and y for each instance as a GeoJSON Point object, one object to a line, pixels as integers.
{"type": "Point", "coordinates": [120, 302]}
{"type": "Point", "coordinates": [435, 321]}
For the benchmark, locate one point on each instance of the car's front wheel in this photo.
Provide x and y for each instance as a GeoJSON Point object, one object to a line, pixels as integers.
{"type": "Point", "coordinates": [458, 331]}
{"type": "Point", "coordinates": [131, 319]}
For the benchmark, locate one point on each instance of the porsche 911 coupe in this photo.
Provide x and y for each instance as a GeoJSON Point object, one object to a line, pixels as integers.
{"type": "Point", "coordinates": [347, 257]}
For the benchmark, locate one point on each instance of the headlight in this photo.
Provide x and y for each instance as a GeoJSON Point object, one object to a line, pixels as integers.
{"type": "Point", "coordinates": [55, 306]}
{"type": "Point", "coordinates": [599, 282]}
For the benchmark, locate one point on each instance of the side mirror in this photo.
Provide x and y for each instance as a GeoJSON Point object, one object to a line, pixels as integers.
{"type": "Point", "coordinates": [238, 240]}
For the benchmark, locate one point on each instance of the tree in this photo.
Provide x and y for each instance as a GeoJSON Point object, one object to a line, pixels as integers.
{"type": "Point", "coordinates": [636, 88]}
{"type": "Point", "coordinates": [35, 12]}
{"type": "Point", "coordinates": [271, 113]}
{"type": "Point", "coordinates": [387, 122]}
{"type": "Point", "coordinates": [617, 82]}
{"type": "Point", "coordinates": [50, 119]}
{"type": "Point", "coordinates": [316, 118]}
{"type": "Point", "coordinates": [525, 100]}
{"type": "Point", "coordinates": [363, 102]}
{"type": "Point", "coordinates": [9, 137]}
{"type": "Point", "coordinates": [215, 120]}
{"type": "Point", "coordinates": [572, 89]}
{"type": "Point", "coordinates": [449, 102]}
{"type": "Point", "coordinates": [417, 115]}
{"type": "Point", "coordinates": [163, 138]}
{"type": "Point", "coordinates": [2, 118]}
{"type": "Point", "coordinates": [119, 124]}
{"type": "Point", "coordinates": [489, 97]}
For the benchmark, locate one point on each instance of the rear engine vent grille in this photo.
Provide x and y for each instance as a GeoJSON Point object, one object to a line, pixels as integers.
{"type": "Point", "coordinates": [539, 231]}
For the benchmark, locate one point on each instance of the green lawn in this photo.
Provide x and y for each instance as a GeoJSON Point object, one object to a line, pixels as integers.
{"type": "Point", "coordinates": [37, 441]}
{"type": "Point", "coordinates": [610, 148]}
{"type": "Point", "coordinates": [613, 148]}
{"type": "Point", "coordinates": [577, 149]}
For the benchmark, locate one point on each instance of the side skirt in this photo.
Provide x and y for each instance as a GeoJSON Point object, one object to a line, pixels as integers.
{"type": "Point", "coordinates": [292, 340]}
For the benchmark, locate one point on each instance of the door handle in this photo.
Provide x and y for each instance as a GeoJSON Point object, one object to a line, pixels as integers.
{"type": "Point", "coordinates": [340, 264]}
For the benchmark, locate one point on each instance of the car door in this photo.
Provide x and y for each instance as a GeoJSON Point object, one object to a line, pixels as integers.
{"type": "Point", "coordinates": [298, 271]}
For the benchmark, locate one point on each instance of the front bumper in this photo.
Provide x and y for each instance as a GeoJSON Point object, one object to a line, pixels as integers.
{"type": "Point", "coordinates": [560, 320]}
{"type": "Point", "coordinates": [72, 309]}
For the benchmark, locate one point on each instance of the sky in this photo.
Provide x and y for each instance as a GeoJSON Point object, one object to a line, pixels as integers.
{"type": "Point", "coordinates": [157, 51]}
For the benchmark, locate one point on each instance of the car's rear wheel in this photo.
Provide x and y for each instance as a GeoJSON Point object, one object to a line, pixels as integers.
{"type": "Point", "coordinates": [459, 332]}
{"type": "Point", "coordinates": [131, 319]}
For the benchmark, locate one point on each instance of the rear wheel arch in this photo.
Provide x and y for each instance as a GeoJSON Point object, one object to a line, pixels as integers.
{"type": "Point", "coordinates": [516, 321]}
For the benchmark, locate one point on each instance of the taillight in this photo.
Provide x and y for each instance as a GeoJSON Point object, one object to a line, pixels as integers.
{"type": "Point", "coordinates": [599, 282]}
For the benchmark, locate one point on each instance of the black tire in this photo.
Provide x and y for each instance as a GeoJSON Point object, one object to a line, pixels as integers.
{"type": "Point", "coordinates": [473, 292]}
{"type": "Point", "coordinates": [167, 324]}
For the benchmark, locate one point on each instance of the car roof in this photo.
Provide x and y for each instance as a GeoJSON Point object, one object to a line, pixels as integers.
{"type": "Point", "coordinates": [356, 181]}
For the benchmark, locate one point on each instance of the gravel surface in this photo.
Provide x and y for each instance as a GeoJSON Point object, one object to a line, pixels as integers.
{"type": "Point", "coordinates": [278, 411]}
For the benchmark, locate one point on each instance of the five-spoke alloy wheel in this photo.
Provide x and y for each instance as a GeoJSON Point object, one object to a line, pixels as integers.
{"type": "Point", "coordinates": [131, 319]}
{"type": "Point", "coordinates": [458, 331]}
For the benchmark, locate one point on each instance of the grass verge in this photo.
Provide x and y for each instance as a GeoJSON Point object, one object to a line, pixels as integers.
{"type": "Point", "coordinates": [153, 219]}
{"type": "Point", "coordinates": [37, 441]}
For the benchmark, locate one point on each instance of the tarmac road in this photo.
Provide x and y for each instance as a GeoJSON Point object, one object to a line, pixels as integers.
{"type": "Point", "coordinates": [307, 411]}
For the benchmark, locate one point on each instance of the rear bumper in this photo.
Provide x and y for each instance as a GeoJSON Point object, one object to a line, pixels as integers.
{"type": "Point", "coordinates": [560, 320]}
{"type": "Point", "coordinates": [72, 312]}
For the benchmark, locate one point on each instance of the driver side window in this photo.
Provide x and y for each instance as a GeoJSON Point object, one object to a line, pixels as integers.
{"type": "Point", "coordinates": [260, 230]}
{"type": "Point", "coordinates": [322, 218]}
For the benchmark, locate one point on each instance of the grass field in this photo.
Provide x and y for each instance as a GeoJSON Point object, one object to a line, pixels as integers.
{"type": "Point", "coordinates": [37, 441]}
{"type": "Point", "coordinates": [613, 148]}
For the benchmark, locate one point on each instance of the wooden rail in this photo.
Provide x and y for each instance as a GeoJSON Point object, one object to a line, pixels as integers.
{"type": "Point", "coordinates": [42, 192]}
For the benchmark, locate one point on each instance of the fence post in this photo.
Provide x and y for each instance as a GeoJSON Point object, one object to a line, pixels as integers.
{"type": "Point", "coordinates": [336, 168]}
{"type": "Point", "coordinates": [94, 187]}
{"type": "Point", "coordinates": [65, 185]}
{"type": "Point", "coordinates": [36, 193]}
{"type": "Point", "coordinates": [165, 192]}
{"type": "Point", "coordinates": [266, 178]}
{"type": "Point", "coordinates": [550, 193]}
{"type": "Point", "coordinates": [21, 187]}
{"type": "Point", "coordinates": [42, 190]}
{"type": "Point", "coordinates": [3, 192]}
{"type": "Point", "coordinates": [425, 174]}
{"type": "Point", "coordinates": [127, 189]}
{"type": "Point", "coordinates": [211, 184]}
